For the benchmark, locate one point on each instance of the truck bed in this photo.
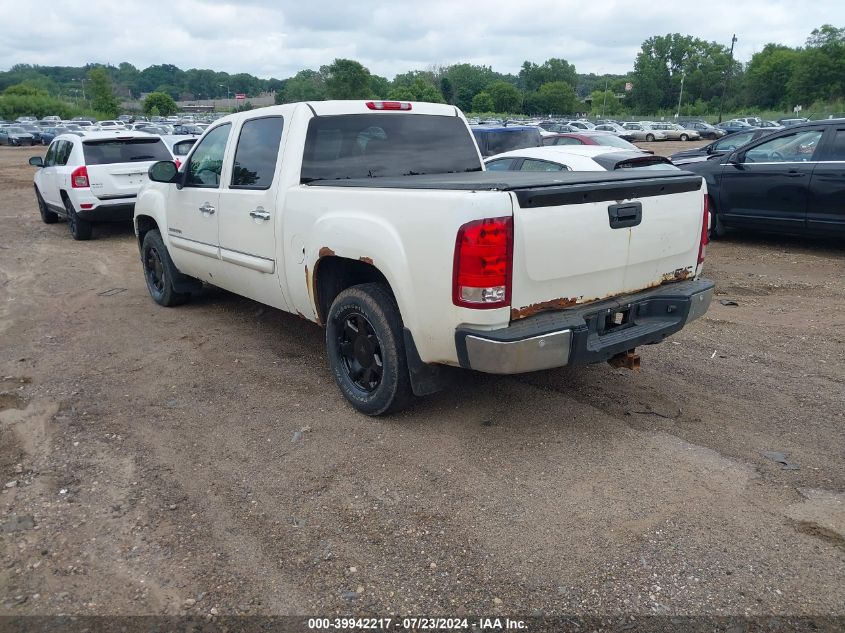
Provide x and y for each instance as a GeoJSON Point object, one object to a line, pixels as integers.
{"type": "Point", "coordinates": [540, 189]}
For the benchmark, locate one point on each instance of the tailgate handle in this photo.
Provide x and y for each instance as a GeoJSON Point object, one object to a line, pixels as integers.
{"type": "Point", "coordinates": [625, 215]}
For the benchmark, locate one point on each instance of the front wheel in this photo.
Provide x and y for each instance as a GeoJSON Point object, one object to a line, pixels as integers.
{"type": "Point", "coordinates": [684, 137]}
{"type": "Point", "coordinates": [366, 349]}
{"type": "Point", "coordinates": [160, 271]}
{"type": "Point", "coordinates": [649, 138]}
{"type": "Point", "coordinates": [47, 216]}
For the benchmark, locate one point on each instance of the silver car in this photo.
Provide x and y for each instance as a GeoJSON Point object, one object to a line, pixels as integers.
{"type": "Point", "coordinates": [642, 132]}
{"type": "Point", "coordinates": [675, 132]}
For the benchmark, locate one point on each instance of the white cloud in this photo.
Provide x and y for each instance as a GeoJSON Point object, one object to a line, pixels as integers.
{"type": "Point", "coordinates": [268, 38]}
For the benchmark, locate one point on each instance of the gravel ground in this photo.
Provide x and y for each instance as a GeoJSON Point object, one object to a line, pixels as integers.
{"type": "Point", "coordinates": [200, 460]}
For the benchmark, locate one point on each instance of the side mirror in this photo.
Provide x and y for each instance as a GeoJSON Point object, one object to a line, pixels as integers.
{"type": "Point", "coordinates": [163, 171]}
{"type": "Point", "coordinates": [36, 161]}
{"type": "Point", "coordinates": [737, 158]}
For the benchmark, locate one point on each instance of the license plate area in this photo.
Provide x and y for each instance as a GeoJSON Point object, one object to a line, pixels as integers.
{"type": "Point", "coordinates": [614, 320]}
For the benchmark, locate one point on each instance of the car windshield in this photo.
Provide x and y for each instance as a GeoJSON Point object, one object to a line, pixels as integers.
{"type": "Point", "coordinates": [387, 144]}
{"type": "Point", "coordinates": [16, 130]}
{"type": "Point", "coordinates": [107, 151]}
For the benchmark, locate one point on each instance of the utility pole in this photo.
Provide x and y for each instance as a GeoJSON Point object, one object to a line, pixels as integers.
{"type": "Point", "coordinates": [727, 77]}
{"type": "Point", "coordinates": [681, 96]}
{"type": "Point", "coordinates": [606, 80]}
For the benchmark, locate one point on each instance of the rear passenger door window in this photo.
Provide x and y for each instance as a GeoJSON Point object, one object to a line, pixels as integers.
{"type": "Point", "coordinates": [529, 164]}
{"type": "Point", "coordinates": [503, 164]}
{"type": "Point", "coordinates": [63, 152]}
{"type": "Point", "coordinates": [257, 153]}
{"type": "Point", "coordinates": [50, 158]}
{"type": "Point", "coordinates": [206, 162]}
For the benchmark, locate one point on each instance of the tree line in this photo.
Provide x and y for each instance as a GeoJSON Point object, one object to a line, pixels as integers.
{"type": "Point", "coordinates": [703, 76]}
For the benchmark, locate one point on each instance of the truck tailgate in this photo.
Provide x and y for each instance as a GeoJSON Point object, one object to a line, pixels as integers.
{"type": "Point", "coordinates": [576, 244]}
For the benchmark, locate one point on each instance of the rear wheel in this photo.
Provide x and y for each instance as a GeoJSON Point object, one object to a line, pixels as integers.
{"type": "Point", "coordinates": [366, 349]}
{"type": "Point", "coordinates": [47, 216]}
{"type": "Point", "coordinates": [649, 138]}
{"type": "Point", "coordinates": [717, 227]}
{"type": "Point", "coordinates": [160, 271]}
{"type": "Point", "coordinates": [79, 229]}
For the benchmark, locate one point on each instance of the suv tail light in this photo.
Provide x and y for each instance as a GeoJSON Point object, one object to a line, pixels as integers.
{"type": "Point", "coordinates": [482, 273]}
{"type": "Point", "coordinates": [705, 229]}
{"type": "Point", "coordinates": [79, 178]}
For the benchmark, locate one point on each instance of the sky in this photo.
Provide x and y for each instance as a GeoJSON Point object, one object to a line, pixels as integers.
{"type": "Point", "coordinates": [278, 38]}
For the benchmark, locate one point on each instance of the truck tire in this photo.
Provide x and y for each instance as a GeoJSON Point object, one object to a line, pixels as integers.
{"type": "Point", "coordinates": [47, 216]}
{"type": "Point", "coordinates": [160, 271]}
{"type": "Point", "coordinates": [366, 349]}
{"type": "Point", "coordinates": [79, 229]}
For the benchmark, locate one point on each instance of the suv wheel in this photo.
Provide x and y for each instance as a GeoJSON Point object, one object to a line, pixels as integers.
{"type": "Point", "coordinates": [79, 229]}
{"type": "Point", "coordinates": [366, 349]}
{"type": "Point", "coordinates": [47, 216]}
{"type": "Point", "coordinates": [160, 271]}
{"type": "Point", "coordinates": [717, 227]}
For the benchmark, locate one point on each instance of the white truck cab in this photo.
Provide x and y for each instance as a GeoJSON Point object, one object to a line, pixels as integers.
{"type": "Point", "coordinates": [377, 220]}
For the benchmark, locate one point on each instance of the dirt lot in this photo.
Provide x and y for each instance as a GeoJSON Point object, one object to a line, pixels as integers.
{"type": "Point", "coordinates": [201, 460]}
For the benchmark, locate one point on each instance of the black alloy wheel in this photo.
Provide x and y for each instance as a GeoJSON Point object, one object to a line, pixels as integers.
{"type": "Point", "coordinates": [366, 349]}
{"type": "Point", "coordinates": [160, 272]}
{"type": "Point", "coordinates": [361, 352]}
{"type": "Point", "coordinates": [154, 270]}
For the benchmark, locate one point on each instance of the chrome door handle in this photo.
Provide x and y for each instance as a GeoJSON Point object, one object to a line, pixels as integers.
{"type": "Point", "coordinates": [207, 208]}
{"type": "Point", "coordinates": [259, 214]}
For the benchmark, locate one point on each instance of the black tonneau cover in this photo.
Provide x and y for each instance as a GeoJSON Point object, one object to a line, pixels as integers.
{"type": "Point", "coordinates": [540, 189]}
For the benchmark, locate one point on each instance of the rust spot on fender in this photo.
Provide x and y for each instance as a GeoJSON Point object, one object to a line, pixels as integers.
{"type": "Point", "coordinates": [326, 252]}
{"type": "Point", "coordinates": [543, 306]}
{"type": "Point", "coordinates": [367, 260]}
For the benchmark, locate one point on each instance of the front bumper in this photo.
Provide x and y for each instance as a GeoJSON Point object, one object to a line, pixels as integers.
{"type": "Point", "coordinates": [581, 335]}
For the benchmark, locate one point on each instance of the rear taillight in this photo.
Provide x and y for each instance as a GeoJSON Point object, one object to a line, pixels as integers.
{"type": "Point", "coordinates": [705, 230]}
{"type": "Point", "coordinates": [482, 272]}
{"type": "Point", "coordinates": [388, 105]}
{"type": "Point", "coordinates": [79, 178]}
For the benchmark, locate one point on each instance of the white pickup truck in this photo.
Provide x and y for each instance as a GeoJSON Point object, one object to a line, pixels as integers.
{"type": "Point", "coordinates": [378, 221]}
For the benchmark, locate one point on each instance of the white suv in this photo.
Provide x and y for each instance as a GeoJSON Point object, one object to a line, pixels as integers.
{"type": "Point", "coordinates": [95, 178]}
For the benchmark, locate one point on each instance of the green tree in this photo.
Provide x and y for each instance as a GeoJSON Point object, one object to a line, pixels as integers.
{"type": "Point", "coordinates": [468, 80]}
{"type": "Point", "coordinates": [161, 102]}
{"type": "Point", "coordinates": [605, 102]}
{"type": "Point", "coordinates": [101, 92]}
{"type": "Point", "coordinates": [532, 76]}
{"type": "Point", "coordinates": [506, 97]}
{"type": "Point", "coordinates": [557, 97]}
{"type": "Point", "coordinates": [767, 75]}
{"type": "Point", "coordinates": [483, 102]}
{"type": "Point", "coordinates": [418, 90]}
{"type": "Point", "coordinates": [664, 59]}
{"type": "Point", "coordinates": [346, 79]}
{"type": "Point", "coordinates": [24, 90]}
{"type": "Point", "coordinates": [306, 85]}
{"type": "Point", "coordinates": [379, 87]}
